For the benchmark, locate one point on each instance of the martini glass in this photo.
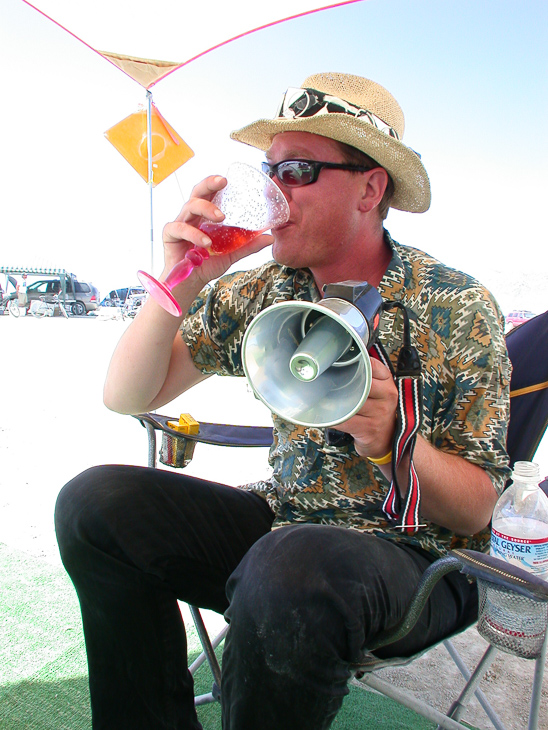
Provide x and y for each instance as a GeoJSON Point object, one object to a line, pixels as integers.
{"type": "Point", "coordinates": [252, 204]}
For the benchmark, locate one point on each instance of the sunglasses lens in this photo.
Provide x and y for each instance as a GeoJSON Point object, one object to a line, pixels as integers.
{"type": "Point", "coordinates": [294, 174]}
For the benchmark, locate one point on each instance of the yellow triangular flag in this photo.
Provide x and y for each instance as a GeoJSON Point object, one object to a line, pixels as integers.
{"type": "Point", "coordinates": [169, 150]}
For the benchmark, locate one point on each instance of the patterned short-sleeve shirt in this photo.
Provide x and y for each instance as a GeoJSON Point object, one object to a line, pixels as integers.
{"type": "Point", "coordinates": [457, 328]}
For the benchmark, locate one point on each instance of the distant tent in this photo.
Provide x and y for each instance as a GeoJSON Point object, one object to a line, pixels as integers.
{"type": "Point", "coordinates": [65, 277]}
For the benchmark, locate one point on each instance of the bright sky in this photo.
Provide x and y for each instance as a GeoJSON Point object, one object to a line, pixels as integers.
{"type": "Point", "coordinates": [470, 75]}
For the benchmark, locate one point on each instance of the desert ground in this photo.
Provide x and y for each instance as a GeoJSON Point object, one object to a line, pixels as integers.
{"type": "Point", "coordinates": [54, 425]}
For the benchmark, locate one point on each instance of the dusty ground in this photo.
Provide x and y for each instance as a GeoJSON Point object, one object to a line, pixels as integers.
{"type": "Point", "coordinates": [54, 425]}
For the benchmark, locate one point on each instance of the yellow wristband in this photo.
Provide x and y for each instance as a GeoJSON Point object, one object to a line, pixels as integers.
{"type": "Point", "coordinates": [383, 460]}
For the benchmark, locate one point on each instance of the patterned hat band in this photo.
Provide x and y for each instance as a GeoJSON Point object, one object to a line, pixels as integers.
{"type": "Point", "coordinates": [354, 111]}
{"type": "Point", "coordinates": [299, 103]}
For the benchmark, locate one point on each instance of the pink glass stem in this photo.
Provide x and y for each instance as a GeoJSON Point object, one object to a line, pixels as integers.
{"type": "Point", "coordinates": [184, 268]}
{"type": "Point", "coordinates": [161, 291]}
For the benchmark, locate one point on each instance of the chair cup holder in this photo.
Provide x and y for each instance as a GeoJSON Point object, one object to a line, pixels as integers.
{"type": "Point", "coordinates": [176, 451]}
{"type": "Point", "coordinates": [511, 622]}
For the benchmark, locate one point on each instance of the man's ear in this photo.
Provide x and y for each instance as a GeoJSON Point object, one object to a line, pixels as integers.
{"type": "Point", "coordinates": [375, 182]}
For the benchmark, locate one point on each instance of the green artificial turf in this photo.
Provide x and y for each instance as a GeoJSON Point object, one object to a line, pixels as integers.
{"type": "Point", "coordinates": [43, 672]}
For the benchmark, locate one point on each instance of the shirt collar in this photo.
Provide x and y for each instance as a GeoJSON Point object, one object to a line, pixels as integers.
{"type": "Point", "coordinates": [394, 277]}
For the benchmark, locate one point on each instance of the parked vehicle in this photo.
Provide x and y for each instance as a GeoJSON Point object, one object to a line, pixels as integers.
{"type": "Point", "coordinates": [135, 299]}
{"type": "Point", "coordinates": [114, 298]}
{"type": "Point", "coordinates": [519, 316]}
{"type": "Point", "coordinates": [81, 297]}
{"type": "Point", "coordinates": [118, 297]}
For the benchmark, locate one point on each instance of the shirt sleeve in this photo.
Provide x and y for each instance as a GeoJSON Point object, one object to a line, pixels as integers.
{"type": "Point", "coordinates": [473, 395]}
{"type": "Point", "coordinates": [215, 326]}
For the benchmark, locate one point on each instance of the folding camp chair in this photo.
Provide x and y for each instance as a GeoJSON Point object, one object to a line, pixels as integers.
{"type": "Point", "coordinates": [513, 604]}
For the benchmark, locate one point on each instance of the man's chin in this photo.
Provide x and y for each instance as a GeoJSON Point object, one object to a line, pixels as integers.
{"type": "Point", "coordinates": [282, 251]}
{"type": "Point", "coordinates": [280, 256]}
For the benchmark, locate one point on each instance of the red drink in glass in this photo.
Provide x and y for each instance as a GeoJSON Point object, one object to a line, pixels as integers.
{"type": "Point", "coordinates": [225, 239]}
{"type": "Point", "coordinates": [252, 201]}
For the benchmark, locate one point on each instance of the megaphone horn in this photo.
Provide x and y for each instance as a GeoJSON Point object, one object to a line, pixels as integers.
{"type": "Point", "coordinates": [308, 362]}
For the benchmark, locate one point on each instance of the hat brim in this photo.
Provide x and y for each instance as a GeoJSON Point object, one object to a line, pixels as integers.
{"type": "Point", "coordinates": [411, 183]}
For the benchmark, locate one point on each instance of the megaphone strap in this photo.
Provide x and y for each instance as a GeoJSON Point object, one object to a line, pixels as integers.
{"type": "Point", "coordinates": [407, 375]}
{"type": "Point", "coordinates": [379, 353]}
{"type": "Point", "coordinates": [407, 425]}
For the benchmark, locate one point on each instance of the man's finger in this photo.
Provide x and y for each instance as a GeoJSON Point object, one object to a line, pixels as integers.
{"type": "Point", "coordinates": [379, 371]}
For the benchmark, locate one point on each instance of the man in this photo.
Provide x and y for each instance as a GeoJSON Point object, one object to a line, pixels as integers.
{"type": "Point", "coordinates": [22, 293]}
{"type": "Point", "coordinates": [306, 566]}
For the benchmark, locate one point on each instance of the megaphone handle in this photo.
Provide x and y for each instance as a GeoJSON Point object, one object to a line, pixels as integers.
{"type": "Point", "coordinates": [337, 438]}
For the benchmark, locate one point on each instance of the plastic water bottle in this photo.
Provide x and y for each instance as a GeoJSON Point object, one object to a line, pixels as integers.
{"type": "Point", "coordinates": [519, 535]}
{"type": "Point", "coordinates": [520, 522]}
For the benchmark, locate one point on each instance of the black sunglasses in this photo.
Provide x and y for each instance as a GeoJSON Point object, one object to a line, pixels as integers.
{"type": "Point", "coordinates": [295, 173]}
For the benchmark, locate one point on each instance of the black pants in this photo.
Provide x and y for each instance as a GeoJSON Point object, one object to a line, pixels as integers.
{"type": "Point", "coordinates": [302, 601]}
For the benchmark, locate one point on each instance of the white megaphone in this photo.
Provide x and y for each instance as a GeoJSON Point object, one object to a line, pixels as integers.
{"type": "Point", "coordinates": [308, 362]}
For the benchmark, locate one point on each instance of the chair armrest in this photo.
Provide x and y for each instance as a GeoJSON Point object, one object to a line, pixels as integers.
{"type": "Point", "coordinates": [218, 434]}
{"type": "Point", "coordinates": [435, 572]}
{"type": "Point", "coordinates": [494, 570]}
{"type": "Point", "coordinates": [487, 570]}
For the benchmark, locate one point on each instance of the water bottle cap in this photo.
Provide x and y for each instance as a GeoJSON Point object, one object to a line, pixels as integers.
{"type": "Point", "coordinates": [526, 471]}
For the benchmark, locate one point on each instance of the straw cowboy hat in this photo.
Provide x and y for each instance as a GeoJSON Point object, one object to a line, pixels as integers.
{"type": "Point", "coordinates": [355, 111]}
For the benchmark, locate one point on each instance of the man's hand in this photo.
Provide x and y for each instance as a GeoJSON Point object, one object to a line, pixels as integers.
{"type": "Point", "coordinates": [374, 424]}
{"type": "Point", "coordinates": [184, 233]}
{"type": "Point", "coordinates": [455, 493]}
